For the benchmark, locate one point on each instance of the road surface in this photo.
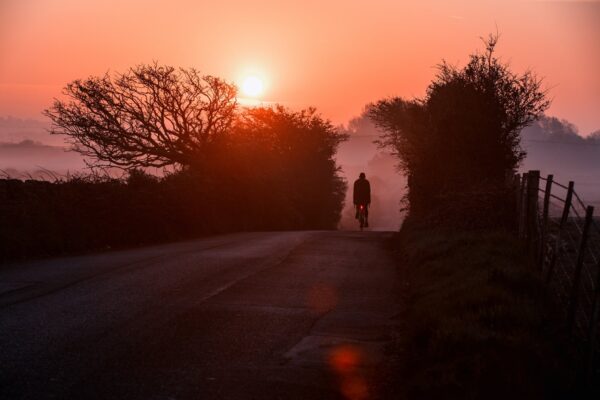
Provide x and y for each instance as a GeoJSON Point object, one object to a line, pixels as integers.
{"type": "Point", "coordinates": [287, 315]}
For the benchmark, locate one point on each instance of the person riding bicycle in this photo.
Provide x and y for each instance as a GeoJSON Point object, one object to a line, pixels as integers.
{"type": "Point", "coordinates": [362, 196]}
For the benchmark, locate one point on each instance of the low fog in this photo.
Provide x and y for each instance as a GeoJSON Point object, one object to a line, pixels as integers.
{"type": "Point", "coordinates": [33, 159]}
{"type": "Point", "coordinates": [360, 154]}
{"type": "Point", "coordinates": [554, 146]}
{"type": "Point", "coordinates": [27, 150]}
{"type": "Point", "coordinates": [15, 130]}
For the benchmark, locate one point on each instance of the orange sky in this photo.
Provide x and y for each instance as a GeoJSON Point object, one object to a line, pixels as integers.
{"type": "Point", "coordinates": [336, 55]}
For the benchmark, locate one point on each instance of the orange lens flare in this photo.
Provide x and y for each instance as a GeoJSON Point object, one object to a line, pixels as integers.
{"type": "Point", "coordinates": [346, 361]}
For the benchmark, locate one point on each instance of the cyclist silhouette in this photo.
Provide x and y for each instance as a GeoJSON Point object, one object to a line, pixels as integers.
{"type": "Point", "coordinates": [362, 196]}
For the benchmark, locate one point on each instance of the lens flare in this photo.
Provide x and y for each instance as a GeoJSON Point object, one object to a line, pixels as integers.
{"type": "Point", "coordinates": [346, 361]}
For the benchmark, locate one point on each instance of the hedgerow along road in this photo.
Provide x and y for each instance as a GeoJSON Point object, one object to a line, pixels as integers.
{"type": "Point", "coordinates": [286, 315]}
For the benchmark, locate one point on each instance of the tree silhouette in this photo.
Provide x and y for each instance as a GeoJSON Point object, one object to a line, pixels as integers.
{"type": "Point", "coordinates": [465, 133]}
{"type": "Point", "coordinates": [292, 153]}
{"type": "Point", "coordinates": [150, 116]}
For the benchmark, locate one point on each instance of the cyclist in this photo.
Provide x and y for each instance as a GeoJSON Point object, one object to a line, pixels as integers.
{"type": "Point", "coordinates": [362, 196]}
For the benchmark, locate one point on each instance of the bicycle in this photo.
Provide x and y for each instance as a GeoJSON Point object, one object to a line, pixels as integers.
{"type": "Point", "coordinates": [362, 216]}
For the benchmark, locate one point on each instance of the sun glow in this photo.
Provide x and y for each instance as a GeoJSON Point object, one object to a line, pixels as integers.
{"type": "Point", "coordinates": [252, 86]}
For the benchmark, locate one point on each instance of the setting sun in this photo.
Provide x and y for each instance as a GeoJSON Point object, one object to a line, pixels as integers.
{"type": "Point", "coordinates": [252, 86]}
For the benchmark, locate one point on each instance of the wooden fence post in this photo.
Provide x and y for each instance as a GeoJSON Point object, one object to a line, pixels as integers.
{"type": "Point", "coordinates": [574, 296]}
{"type": "Point", "coordinates": [533, 186]}
{"type": "Point", "coordinates": [545, 211]}
{"type": "Point", "coordinates": [563, 222]}
{"type": "Point", "coordinates": [568, 201]}
{"type": "Point", "coordinates": [521, 211]}
{"type": "Point", "coordinates": [516, 186]}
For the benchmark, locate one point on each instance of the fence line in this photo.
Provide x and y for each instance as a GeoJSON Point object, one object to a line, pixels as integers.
{"type": "Point", "coordinates": [560, 231]}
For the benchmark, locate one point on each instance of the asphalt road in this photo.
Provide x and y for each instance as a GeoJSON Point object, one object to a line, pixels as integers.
{"type": "Point", "coordinates": [293, 315]}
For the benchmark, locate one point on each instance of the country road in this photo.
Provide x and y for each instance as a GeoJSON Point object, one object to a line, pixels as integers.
{"type": "Point", "coordinates": [287, 315]}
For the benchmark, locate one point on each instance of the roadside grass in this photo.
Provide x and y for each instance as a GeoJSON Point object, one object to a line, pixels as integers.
{"type": "Point", "coordinates": [478, 322]}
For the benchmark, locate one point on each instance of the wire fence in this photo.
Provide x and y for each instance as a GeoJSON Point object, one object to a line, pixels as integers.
{"type": "Point", "coordinates": [562, 233]}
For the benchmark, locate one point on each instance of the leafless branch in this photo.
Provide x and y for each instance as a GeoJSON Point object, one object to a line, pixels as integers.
{"type": "Point", "coordinates": [151, 116]}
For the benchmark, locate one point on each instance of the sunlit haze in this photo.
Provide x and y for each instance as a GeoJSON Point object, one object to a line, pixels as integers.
{"type": "Point", "coordinates": [334, 55]}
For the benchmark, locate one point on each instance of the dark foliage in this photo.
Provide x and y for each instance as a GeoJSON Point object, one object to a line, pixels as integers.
{"type": "Point", "coordinates": [464, 136]}
{"type": "Point", "coordinates": [295, 152]}
{"type": "Point", "coordinates": [478, 322]}
{"type": "Point", "coordinates": [275, 172]}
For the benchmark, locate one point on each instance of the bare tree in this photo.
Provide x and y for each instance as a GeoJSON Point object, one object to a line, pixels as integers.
{"type": "Point", "coordinates": [150, 116]}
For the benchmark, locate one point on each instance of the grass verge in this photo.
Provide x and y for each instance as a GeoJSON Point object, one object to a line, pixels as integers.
{"type": "Point", "coordinates": [478, 322]}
